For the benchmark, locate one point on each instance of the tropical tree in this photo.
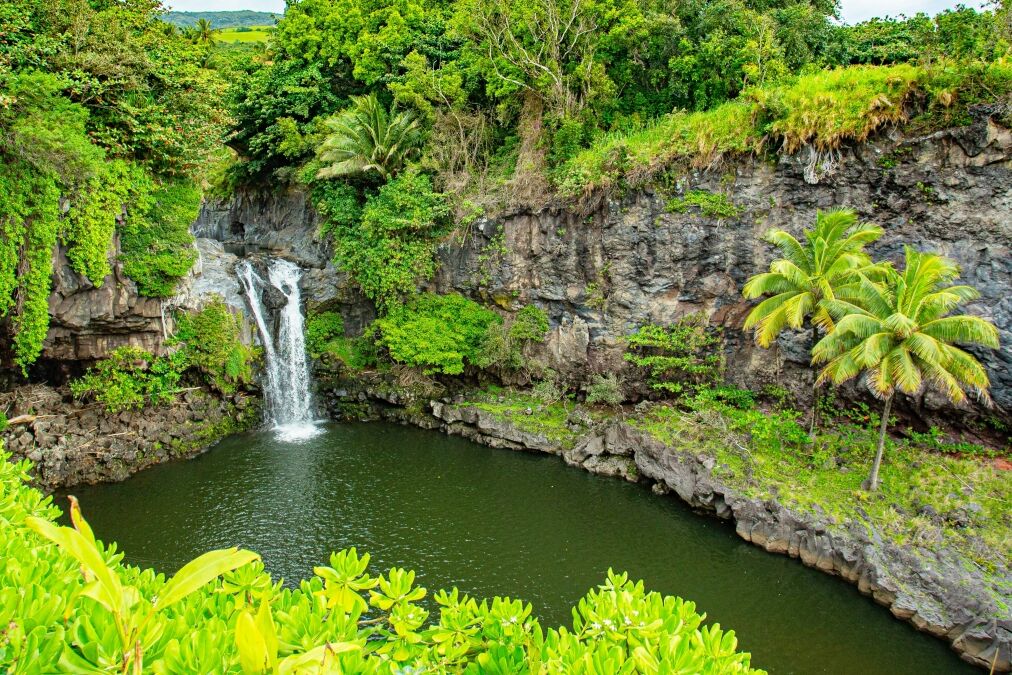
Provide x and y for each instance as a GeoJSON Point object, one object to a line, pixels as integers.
{"type": "Point", "coordinates": [826, 266]}
{"type": "Point", "coordinates": [901, 334]}
{"type": "Point", "coordinates": [203, 32]}
{"type": "Point", "coordinates": [369, 138]}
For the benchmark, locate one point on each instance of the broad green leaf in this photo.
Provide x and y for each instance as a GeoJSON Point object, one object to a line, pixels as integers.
{"type": "Point", "coordinates": [316, 659]}
{"type": "Point", "coordinates": [200, 571]}
{"type": "Point", "coordinates": [253, 654]}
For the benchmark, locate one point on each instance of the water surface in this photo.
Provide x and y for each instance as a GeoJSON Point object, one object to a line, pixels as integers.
{"type": "Point", "coordinates": [496, 522]}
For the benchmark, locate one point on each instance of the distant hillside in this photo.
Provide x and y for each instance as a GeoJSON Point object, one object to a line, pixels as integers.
{"type": "Point", "coordinates": [240, 19]}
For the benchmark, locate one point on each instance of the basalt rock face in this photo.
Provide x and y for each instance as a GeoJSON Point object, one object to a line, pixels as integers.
{"type": "Point", "coordinates": [71, 443]}
{"type": "Point", "coordinates": [88, 322]}
{"type": "Point", "coordinates": [617, 263]}
{"type": "Point", "coordinates": [285, 225]}
{"type": "Point", "coordinates": [608, 264]}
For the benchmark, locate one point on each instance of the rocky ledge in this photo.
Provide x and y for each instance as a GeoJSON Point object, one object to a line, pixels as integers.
{"type": "Point", "coordinates": [936, 590]}
{"type": "Point", "coordinates": [72, 443]}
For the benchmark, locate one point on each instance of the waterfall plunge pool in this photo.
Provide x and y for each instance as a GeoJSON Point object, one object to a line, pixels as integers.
{"type": "Point", "coordinates": [496, 522]}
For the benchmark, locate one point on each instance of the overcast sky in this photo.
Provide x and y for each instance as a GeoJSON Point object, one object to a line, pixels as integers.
{"type": "Point", "coordinates": [853, 10]}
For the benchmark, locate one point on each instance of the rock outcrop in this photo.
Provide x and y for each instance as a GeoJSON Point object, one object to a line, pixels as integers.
{"type": "Point", "coordinates": [609, 264]}
{"type": "Point", "coordinates": [617, 263]}
{"type": "Point", "coordinates": [71, 443]}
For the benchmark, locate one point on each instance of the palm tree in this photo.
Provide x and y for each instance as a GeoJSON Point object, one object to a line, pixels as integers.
{"type": "Point", "coordinates": [822, 268]}
{"type": "Point", "coordinates": [203, 31]}
{"type": "Point", "coordinates": [367, 138]}
{"type": "Point", "coordinates": [900, 334]}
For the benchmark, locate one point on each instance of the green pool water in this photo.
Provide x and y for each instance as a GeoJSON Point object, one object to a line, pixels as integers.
{"type": "Point", "coordinates": [496, 522]}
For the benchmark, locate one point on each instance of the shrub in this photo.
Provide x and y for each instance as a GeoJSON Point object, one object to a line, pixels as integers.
{"type": "Point", "coordinates": [438, 333]}
{"type": "Point", "coordinates": [530, 323]}
{"type": "Point", "coordinates": [605, 389]}
{"type": "Point", "coordinates": [392, 247]}
{"type": "Point", "coordinates": [129, 379]}
{"type": "Point", "coordinates": [549, 389]}
{"type": "Point", "coordinates": [210, 343]}
{"type": "Point", "coordinates": [323, 332]}
{"type": "Point", "coordinates": [67, 598]}
{"type": "Point", "coordinates": [504, 344]}
{"type": "Point", "coordinates": [680, 357]}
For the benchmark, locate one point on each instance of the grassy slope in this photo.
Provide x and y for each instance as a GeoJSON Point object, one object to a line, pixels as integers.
{"type": "Point", "coordinates": [822, 110]}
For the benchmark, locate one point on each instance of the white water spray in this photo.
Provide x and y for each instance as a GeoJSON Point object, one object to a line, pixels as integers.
{"type": "Point", "coordinates": [287, 386]}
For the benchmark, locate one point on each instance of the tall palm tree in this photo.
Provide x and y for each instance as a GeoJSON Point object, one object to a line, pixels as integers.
{"type": "Point", "coordinates": [204, 32]}
{"type": "Point", "coordinates": [368, 138]}
{"type": "Point", "coordinates": [900, 333]}
{"type": "Point", "coordinates": [822, 268]}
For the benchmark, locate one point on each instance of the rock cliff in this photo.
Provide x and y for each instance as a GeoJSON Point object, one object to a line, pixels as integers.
{"type": "Point", "coordinates": [610, 263]}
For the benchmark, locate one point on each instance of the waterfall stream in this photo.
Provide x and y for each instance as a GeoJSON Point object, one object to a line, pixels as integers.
{"type": "Point", "coordinates": [287, 391]}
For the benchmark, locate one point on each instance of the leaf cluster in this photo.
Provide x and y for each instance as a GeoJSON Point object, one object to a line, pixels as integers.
{"type": "Point", "coordinates": [438, 333]}
{"type": "Point", "coordinates": [681, 357]}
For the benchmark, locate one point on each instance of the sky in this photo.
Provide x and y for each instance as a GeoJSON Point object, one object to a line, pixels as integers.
{"type": "Point", "coordinates": [852, 10]}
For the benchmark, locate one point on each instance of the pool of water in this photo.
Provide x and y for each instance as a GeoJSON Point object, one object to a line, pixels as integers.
{"type": "Point", "coordinates": [496, 522]}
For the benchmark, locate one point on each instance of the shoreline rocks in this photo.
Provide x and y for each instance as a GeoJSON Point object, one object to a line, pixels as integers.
{"type": "Point", "coordinates": [70, 443]}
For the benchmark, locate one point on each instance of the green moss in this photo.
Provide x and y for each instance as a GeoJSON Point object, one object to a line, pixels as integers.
{"type": "Point", "coordinates": [713, 204]}
{"type": "Point", "coordinates": [527, 412]}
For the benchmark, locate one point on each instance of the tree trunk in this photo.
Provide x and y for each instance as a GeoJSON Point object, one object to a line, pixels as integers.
{"type": "Point", "coordinates": [873, 479]}
{"type": "Point", "coordinates": [815, 388]}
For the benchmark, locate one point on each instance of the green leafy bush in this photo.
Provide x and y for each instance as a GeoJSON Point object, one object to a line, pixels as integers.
{"type": "Point", "coordinates": [606, 389]}
{"type": "Point", "coordinates": [66, 598]}
{"type": "Point", "coordinates": [392, 247]}
{"type": "Point", "coordinates": [157, 247]}
{"type": "Point", "coordinates": [323, 332]}
{"type": "Point", "coordinates": [438, 333]}
{"type": "Point", "coordinates": [505, 343]}
{"type": "Point", "coordinates": [209, 341]}
{"type": "Point", "coordinates": [130, 378]}
{"type": "Point", "coordinates": [681, 357]}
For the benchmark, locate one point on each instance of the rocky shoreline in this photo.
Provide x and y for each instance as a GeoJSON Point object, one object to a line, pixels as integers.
{"type": "Point", "coordinates": [70, 443]}
{"type": "Point", "coordinates": [934, 590]}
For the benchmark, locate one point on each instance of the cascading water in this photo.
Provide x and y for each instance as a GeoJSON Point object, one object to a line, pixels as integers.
{"type": "Point", "coordinates": [287, 386]}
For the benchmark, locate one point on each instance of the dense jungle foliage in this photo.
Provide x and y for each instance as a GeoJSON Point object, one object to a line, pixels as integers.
{"type": "Point", "coordinates": [407, 121]}
{"type": "Point", "coordinates": [67, 600]}
{"type": "Point", "coordinates": [109, 123]}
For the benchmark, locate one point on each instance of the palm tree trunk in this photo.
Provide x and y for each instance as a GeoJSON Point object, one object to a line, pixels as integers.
{"type": "Point", "coordinates": [815, 388]}
{"type": "Point", "coordinates": [873, 479]}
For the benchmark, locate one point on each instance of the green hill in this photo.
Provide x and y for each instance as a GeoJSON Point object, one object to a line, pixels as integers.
{"type": "Point", "coordinates": [239, 19]}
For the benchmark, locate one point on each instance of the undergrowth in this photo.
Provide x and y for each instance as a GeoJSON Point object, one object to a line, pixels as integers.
{"type": "Point", "coordinates": [822, 111]}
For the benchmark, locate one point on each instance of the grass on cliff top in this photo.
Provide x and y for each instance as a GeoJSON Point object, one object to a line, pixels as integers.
{"type": "Point", "coordinates": [823, 110]}
{"type": "Point", "coordinates": [926, 497]}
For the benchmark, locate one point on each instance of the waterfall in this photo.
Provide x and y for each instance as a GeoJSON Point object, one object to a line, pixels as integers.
{"type": "Point", "coordinates": [286, 387]}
